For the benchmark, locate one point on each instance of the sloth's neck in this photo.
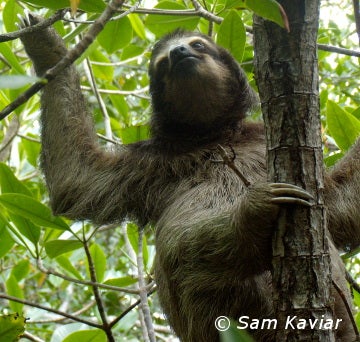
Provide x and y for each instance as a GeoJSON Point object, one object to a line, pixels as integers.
{"type": "Point", "coordinates": [179, 137]}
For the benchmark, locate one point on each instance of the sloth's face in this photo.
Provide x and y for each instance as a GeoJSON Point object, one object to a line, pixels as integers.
{"type": "Point", "coordinates": [193, 80]}
{"type": "Point", "coordinates": [184, 57]}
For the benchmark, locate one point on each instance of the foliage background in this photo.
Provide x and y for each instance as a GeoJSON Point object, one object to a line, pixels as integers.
{"type": "Point", "coordinates": [44, 260]}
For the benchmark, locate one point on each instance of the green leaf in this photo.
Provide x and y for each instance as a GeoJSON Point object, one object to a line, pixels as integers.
{"type": "Point", "coordinates": [11, 327]}
{"type": "Point", "coordinates": [133, 236]}
{"type": "Point", "coordinates": [134, 133]}
{"type": "Point", "coordinates": [269, 9]}
{"type": "Point", "coordinates": [13, 289]}
{"type": "Point", "coordinates": [95, 6]}
{"type": "Point", "coordinates": [55, 248]}
{"type": "Point", "coordinates": [232, 334]}
{"type": "Point", "coordinates": [137, 25]}
{"type": "Point", "coordinates": [26, 228]}
{"type": "Point", "coordinates": [9, 183]}
{"type": "Point", "coordinates": [333, 158]}
{"type": "Point", "coordinates": [87, 336]}
{"type": "Point", "coordinates": [16, 81]}
{"type": "Point", "coordinates": [9, 15]}
{"type": "Point", "coordinates": [115, 35]}
{"type": "Point", "coordinates": [33, 210]}
{"type": "Point", "coordinates": [8, 54]}
{"type": "Point", "coordinates": [356, 113]}
{"type": "Point", "coordinates": [343, 126]}
{"type": "Point", "coordinates": [21, 269]}
{"type": "Point", "coordinates": [6, 241]}
{"type": "Point", "coordinates": [99, 260]}
{"type": "Point", "coordinates": [162, 24]}
{"type": "Point", "coordinates": [232, 35]}
{"type": "Point", "coordinates": [121, 282]}
{"type": "Point", "coordinates": [32, 150]}
{"type": "Point", "coordinates": [67, 265]}
{"type": "Point", "coordinates": [104, 72]}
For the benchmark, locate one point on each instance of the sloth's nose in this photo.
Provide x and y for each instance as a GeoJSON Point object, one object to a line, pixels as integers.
{"type": "Point", "coordinates": [178, 53]}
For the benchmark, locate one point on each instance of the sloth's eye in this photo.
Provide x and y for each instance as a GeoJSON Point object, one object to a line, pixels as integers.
{"type": "Point", "coordinates": [197, 45]}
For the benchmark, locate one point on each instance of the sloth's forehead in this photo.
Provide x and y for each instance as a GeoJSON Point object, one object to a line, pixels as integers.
{"type": "Point", "coordinates": [182, 41]}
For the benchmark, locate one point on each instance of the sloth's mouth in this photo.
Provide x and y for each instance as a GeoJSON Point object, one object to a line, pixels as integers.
{"type": "Point", "coordinates": [185, 64]}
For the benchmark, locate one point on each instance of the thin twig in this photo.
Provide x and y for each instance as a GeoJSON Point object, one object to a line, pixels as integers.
{"type": "Point", "coordinates": [342, 51]}
{"type": "Point", "coordinates": [83, 282]}
{"type": "Point", "coordinates": [31, 337]}
{"type": "Point", "coordinates": [103, 109]}
{"type": "Point", "coordinates": [142, 288]}
{"type": "Point", "coordinates": [230, 163]}
{"type": "Point", "coordinates": [202, 12]}
{"type": "Point", "coordinates": [131, 307]}
{"type": "Point", "coordinates": [85, 308]}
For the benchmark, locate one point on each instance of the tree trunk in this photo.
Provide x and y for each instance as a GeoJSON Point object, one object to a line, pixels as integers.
{"type": "Point", "coordinates": [287, 78]}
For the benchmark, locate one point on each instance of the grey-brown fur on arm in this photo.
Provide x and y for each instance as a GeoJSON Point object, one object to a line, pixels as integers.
{"type": "Point", "coordinates": [82, 178]}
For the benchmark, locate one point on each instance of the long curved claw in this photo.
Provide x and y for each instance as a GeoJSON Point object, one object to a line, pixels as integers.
{"type": "Point", "coordinates": [290, 194]}
{"type": "Point", "coordinates": [28, 19]}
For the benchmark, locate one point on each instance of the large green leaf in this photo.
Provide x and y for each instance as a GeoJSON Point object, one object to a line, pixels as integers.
{"type": "Point", "coordinates": [105, 72]}
{"type": "Point", "coordinates": [21, 269]}
{"type": "Point", "coordinates": [9, 183]}
{"type": "Point", "coordinates": [162, 24]}
{"type": "Point", "coordinates": [13, 289]}
{"type": "Point", "coordinates": [99, 260]}
{"type": "Point", "coordinates": [67, 265]}
{"type": "Point", "coordinates": [268, 9]}
{"type": "Point", "coordinates": [35, 211]}
{"type": "Point", "coordinates": [55, 248]}
{"type": "Point", "coordinates": [7, 52]}
{"type": "Point", "coordinates": [121, 282]}
{"type": "Point", "coordinates": [232, 35]}
{"type": "Point", "coordinates": [6, 240]}
{"type": "Point", "coordinates": [115, 35]}
{"type": "Point", "coordinates": [9, 15]}
{"type": "Point", "coordinates": [26, 227]}
{"type": "Point", "coordinates": [343, 126]}
{"type": "Point", "coordinates": [86, 336]}
{"type": "Point", "coordinates": [138, 25]}
{"type": "Point", "coordinates": [134, 133]}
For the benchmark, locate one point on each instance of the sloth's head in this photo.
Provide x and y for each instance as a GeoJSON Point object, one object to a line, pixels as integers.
{"type": "Point", "coordinates": [196, 85]}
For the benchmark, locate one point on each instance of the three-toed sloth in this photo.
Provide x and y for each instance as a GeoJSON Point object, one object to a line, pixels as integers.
{"type": "Point", "coordinates": [213, 233]}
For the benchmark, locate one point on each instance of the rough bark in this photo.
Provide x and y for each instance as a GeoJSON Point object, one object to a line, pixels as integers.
{"type": "Point", "coordinates": [287, 78]}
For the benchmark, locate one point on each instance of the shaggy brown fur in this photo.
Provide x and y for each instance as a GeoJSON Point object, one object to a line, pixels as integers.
{"type": "Point", "coordinates": [213, 234]}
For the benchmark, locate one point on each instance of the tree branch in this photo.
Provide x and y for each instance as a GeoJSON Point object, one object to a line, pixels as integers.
{"type": "Point", "coordinates": [357, 17]}
{"type": "Point", "coordinates": [46, 308]}
{"type": "Point", "coordinates": [98, 299]}
{"type": "Point", "coordinates": [32, 29]}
